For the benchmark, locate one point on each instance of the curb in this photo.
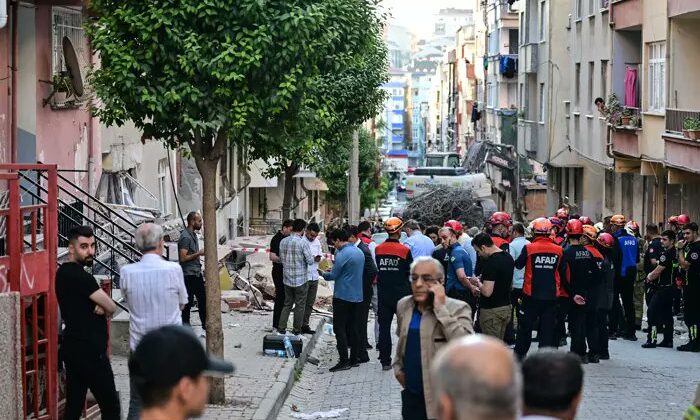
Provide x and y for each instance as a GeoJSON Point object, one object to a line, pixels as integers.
{"type": "Point", "coordinates": [274, 399]}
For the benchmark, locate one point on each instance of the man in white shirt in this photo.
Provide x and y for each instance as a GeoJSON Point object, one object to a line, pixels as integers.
{"type": "Point", "coordinates": [154, 291]}
{"type": "Point", "coordinates": [312, 231]}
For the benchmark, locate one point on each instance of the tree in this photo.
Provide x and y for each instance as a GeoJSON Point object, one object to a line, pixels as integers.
{"type": "Point", "coordinates": [331, 166]}
{"type": "Point", "coordinates": [344, 94]}
{"type": "Point", "coordinates": [199, 75]}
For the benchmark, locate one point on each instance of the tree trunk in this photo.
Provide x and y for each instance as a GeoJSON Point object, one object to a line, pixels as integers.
{"type": "Point", "coordinates": [289, 172]}
{"type": "Point", "coordinates": [215, 335]}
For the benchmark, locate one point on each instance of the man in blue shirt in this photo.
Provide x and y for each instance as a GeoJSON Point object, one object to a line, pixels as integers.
{"type": "Point", "coordinates": [626, 276]}
{"type": "Point", "coordinates": [459, 268]}
{"type": "Point", "coordinates": [419, 244]}
{"type": "Point", "coordinates": [347, 296]}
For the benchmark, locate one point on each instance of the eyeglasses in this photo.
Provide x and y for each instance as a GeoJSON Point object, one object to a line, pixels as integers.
{"type": "Point", "coordinates": [425, 278]}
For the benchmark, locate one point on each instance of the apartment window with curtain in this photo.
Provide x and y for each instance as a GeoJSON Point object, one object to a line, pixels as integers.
{"type": "Point", "coordinates": [540, 99]}
{"type": "Point", "coordinates": [603, 79]}
{"type": "Point", "coordinates": [577, 85]}
{"type": "Point", "coordinates": [657, 76]}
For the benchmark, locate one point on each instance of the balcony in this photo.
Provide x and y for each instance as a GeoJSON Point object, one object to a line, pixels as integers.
{"type": "Point", "coordinates": [528, 139]}
{"type": "Point", "coordinates": [625, 142]}
{"type": "Point", "coordinates": [680, 152]}
{"type": "Point", "coordinates": [684, 8]}
{"type": "Point", "coordinates": [529, 59]}
{"type": "Point", "coordinates": [626, 14]}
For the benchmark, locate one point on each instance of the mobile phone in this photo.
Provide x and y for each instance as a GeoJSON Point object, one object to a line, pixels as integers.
{"type": "Point", "coordinates": [431, 296]}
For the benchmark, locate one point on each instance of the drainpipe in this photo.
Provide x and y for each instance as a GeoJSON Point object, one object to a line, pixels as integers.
{"type": "Point", "coordinates": [91, 142]}
{"type": "Point", "coordinates": [13, 84]}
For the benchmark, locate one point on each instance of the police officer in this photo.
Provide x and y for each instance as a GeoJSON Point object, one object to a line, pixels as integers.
{"type": "Point", "coordinates": [606, 288]}
{"type": "Point", "coordinates": [627, 272]}
{"type": "Point", "coordinates": [579, 273]}
{"type": "Point", "coordinates": [393, 264]}
{"type": "Point", "coordinates": [541, 287]}
{"type": "Point", "coordinates": [651, 259]}
{"type": "Point", "coordinates": [689, 260]}
{"type": "Point", "coordinates": [660, 312]}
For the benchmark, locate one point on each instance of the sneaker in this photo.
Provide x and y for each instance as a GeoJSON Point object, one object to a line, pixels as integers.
{"type": "Point", "coordinates": [584, 359]}
{"type": "Point", "coordinates": [666, 344]}
{"type": "Point", "coordinates": [307, 330]}
{"type": "Point", "coordinates": [604, 356]}
{"type": "Point", "coordinates": [593, 358]}
{"type": "Point", "coordinates": [630, 337]}
{"type": "Point", "coordinates": [649, 345]}
{"type": "Point", "coordinates": [363, 359]}
{"type": "Point", "coordinates": [342, 365]}
{"type": "Point", "coordinates": [685, 347]}
{"type": "Point", "coordinates": [386, 367]}
{"type": "Point", "coordinates": [562, 342]}
{"type": "Point", "coordinates": [354, 363]}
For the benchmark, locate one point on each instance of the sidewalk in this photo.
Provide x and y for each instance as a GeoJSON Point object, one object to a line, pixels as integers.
{"type": "Point", "coordinates": [260, 384]}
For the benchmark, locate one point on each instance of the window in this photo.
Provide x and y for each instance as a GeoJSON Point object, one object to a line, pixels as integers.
{"type": "Point", "coordinates": [396, 118]}
{"type": "Point", "coordinates": [541, 103]}
{"type": "Point", "coordinates": [493, 43]}
{"type": "Point", "coordinates": [491, 95]}
{"type": "Point", "coordinates": [657, 76]}
{"type": "Point", "coordinates": [591, 6]}
{"type": "Point", "coordinates": [163, 196]}
{"type": "Point", "coordinates": [513, 41]}
{"type": "Point", "coordinates": [67, 22]}
{"type": "Point", "coordinates": [603, 78]}
{"type": "Point", "coordinates": [542, 21]}
{"type": "Point", "coordinates": [577, 9]}
{"type": "Point", "coordinates": [591, 69]}
{"type": "Point", "coordinates": [577, 85]}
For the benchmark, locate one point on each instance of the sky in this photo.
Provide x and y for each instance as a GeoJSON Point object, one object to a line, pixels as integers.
{"type": "Point", "coordinates": [417, 14]}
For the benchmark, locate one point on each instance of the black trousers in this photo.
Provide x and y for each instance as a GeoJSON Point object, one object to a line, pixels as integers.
{"type": "Point", "coordinates": [627, 295]}
{"type": "Point", "coordinates": [515, 302]}
{"type": "Point", "coordinates": [412, 406]}
{"type": "Point", "coordinates": [660, 313]}
{"type": "Point", "coordinates": [602, 319]}
{"type": "Point", "coordinates": [91, 370]}
{"type": "Point", "coordinates": [345, 315]}
{"type": "Point", "coordinates": [279, 296]}
{"type": "Point", "coordinates": [533, 309]}
{"type": "Point", "coordinates": [583, 324]}
{"type": "Point", "coordinates": [195, 289]}
{"type": "Point", "coordinates": [385, 315]}
{"type": "Point", "coordinates": [361, 324]}
{"type": "Point", "coordinates": [563, 309]}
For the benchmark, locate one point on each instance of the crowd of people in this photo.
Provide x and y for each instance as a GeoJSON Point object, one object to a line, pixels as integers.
{"type": "Point", "coordinates": [571, 281]}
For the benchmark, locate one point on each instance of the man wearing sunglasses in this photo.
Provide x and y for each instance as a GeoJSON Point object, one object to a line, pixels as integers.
{"type": "Point", "coordinates": [427, 320]}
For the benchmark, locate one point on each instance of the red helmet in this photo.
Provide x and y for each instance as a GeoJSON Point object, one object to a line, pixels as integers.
{"type": "Point", "coordinates": [563, 213]}
{"type": "Point", "coordinates": [606, 240]}
{"type": "Point", "coordinates": [574, 227]}
{"type": "Point", "coordinates": [585, 220]}
{"type": "Point", "coordinates": [500, 218]}
{"type": "Point", "coordinates": [393, 225]}
{"type": "Point", "coordinates": [541, 226]}
{"type": "Point", "coordinates": [683, 219]}
{"type": "Point", "coordinates": [673, 220]}
{"type": "Point", "coordinates": [454, 225]}
{"type": "Point", "coordinates": [556, 222]}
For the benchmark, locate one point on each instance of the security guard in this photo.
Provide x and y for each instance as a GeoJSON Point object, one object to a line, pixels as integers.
{"type": "Point", "coordinates": [689, 260]}
{"type": "Point", "coordinates": [393, 264]}
{"type": "Point", "coordinates": [541, 288]}
{"type": "Point", "coordinates": [660, 312]}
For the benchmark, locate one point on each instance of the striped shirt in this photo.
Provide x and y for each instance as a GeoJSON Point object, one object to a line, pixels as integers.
{"type": "Point", "coordinates": [153, 289]}
{"type": "Point", "coordinates": [296, 257]}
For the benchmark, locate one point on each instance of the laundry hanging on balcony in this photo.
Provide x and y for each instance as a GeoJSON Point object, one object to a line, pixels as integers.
{"type": "Point", "coordinates": [631, 87]}
{"type": "Point", "coordinates": [508, 66]}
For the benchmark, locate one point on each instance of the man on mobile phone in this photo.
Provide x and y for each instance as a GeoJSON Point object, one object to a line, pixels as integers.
{"type": "Point", "coordinates": [427, 320]}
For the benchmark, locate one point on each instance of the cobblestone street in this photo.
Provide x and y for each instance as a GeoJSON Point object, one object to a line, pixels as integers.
{"type": "Point", "coordinates": [635, 384]}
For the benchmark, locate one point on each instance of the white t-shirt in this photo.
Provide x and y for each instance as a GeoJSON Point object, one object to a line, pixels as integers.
{"type": "Point", "coordinates": [315, 246]}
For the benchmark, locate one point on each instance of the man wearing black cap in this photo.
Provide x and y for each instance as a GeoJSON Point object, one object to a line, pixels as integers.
{"type": "Point", "coordinates": [170, 370]}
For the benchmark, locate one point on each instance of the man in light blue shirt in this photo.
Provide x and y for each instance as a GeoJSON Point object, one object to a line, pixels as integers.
{"type": "Point", "coordinates": [347, 295]}
{"type": "Point", "coordinates": [419, 244]}
{"type": "Point", "coordinates": [516, 246]}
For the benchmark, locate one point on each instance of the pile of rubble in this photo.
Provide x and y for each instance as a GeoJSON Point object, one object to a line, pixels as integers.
{"type": "Point", "coordinates": [251, 280]}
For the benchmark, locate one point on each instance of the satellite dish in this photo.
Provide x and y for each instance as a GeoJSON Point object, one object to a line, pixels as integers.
{"type": "Point", "coordinates": [73, 67]}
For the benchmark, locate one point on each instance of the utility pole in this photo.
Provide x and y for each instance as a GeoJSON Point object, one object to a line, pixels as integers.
{"type": "Point", "coordinates": [354, 181]}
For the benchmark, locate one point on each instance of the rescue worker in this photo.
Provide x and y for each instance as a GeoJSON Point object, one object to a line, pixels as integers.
{"type": "Point", "coordinates": [541, 288]}
{"type": "Point", "coordinates": [606, 290]}
{"type": "Point", "coordinates": [632, 228]}
{"type": "Point", "coordinates": [393, 264]}
{"type": "Point", "coordinates": [650, 260]}
{"type": "Point", "coordinates": [586, 221]}
{"type": "Point", "coordinates": [459, 268]}
{"type": "Point", "coordinates": [627, 272]}
{"type": "Point", "coordinates": [557, 230]}
{"type": "Point", "coordinates": [579, 273]}
{"type": "Point", "coordinates": [563, 214]}
{"type": "Point", "coordinates": [660, 312]}
{"type": "Point", "coordinates": [500, 229]}
{"type": "Point", "coordinates": [689, 260]}
{"type": "Point", "coordinates": [673, 223]}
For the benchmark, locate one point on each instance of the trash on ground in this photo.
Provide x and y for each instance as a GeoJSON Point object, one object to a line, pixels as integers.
{"type": "Point", "coordinates": [320, 414]}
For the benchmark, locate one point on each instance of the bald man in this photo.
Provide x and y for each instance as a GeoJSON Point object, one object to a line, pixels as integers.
{"type": "Point", "coordinates": [476, 377]}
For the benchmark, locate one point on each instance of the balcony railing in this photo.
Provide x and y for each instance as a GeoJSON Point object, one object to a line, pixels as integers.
{"type": "Point", "coordinates": [676, 117]}
{"type": "Point", "coordinates": [528, 58]}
